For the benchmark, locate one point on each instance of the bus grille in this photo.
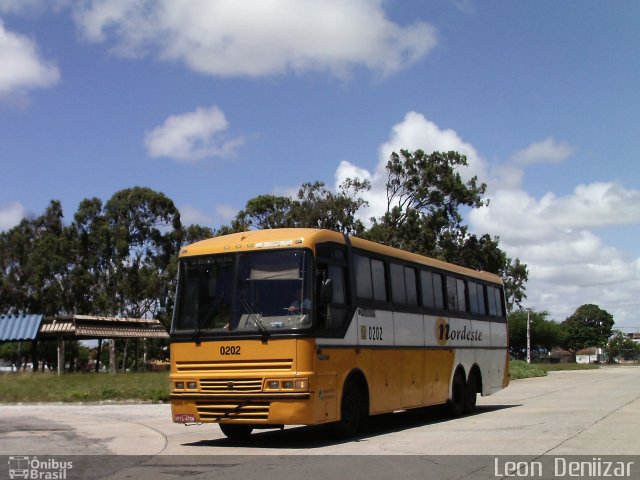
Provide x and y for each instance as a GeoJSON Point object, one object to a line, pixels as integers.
{"type": "Point", "coordinates": [234, 365]}
{"type": "Point", "coordinates": [210, 410]}
{"type": "Point", "coordinates": [231, 385]}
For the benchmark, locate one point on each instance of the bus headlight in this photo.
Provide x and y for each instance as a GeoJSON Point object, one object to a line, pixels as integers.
{"type": "Point", "coordinates": [287, 384]}
{"type": "Point", "coordinates": [186, 385]}
{"type": "Point", "coordinates": [302, 384]}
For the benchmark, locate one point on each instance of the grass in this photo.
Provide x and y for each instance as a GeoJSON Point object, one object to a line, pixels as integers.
{"type": "Point", "coordinates": [519, 369]}
{"type": "Point", "coordinates": [84, 387]}
{"type": "Point", "coordinates": [154, 386]}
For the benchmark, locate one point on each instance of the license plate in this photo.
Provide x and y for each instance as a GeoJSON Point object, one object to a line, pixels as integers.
{"type": "Point", "coordinates": [184, 418]}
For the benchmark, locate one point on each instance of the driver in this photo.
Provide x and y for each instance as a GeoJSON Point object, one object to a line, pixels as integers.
{"type": "Point", "coordinates": [299, 304]}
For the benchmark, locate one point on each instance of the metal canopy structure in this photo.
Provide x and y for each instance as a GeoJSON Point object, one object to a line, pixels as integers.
{"type": "Point", "coordinates": [18, 328]}
{"type": "Point", "coordinates": [15, 328]}
{"type": "Point", "coordinates": [89, 327]}
{"type": "Point", "coordinates": [35, 328]}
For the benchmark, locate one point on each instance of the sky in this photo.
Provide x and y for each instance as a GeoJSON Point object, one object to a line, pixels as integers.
{"type": "Point", "coordinates": [214, 102]}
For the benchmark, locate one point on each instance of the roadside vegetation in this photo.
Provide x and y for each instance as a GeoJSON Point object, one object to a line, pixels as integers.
{"type": "Point", "coordinates": [519, 369]}
{"type": "Point", "coordinates": [154, 386]}
{"type": "Point", "coordinates": [84, 387]}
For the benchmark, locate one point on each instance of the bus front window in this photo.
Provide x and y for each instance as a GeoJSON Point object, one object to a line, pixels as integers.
{"type": "Point", "coordinates": [245, 292]}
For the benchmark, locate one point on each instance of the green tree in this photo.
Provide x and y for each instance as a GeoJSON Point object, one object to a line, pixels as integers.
{"type": "Point", "coordinates": [263, 212]}
{"type": "Point", "coordinates": [424, 197]}
{"type": "Point", "coordinates": [545, 333]}
{"type": "Point", "coordinates": [318, 207]}
{"type": "Point", "coordinates": [35, 266]}
{"type": "Point", "coordinates": [514, 275]}
{"type": "Point", "coordinates": [621, 346]}
{"type": "Point", "coordinates": [589, 326]}
{"type": "Point", "coordinates": [144, 235]}
{"type": "Point", "coordinates": [315, 207]}
{"type": "Point", "coordinates": [425, 194]}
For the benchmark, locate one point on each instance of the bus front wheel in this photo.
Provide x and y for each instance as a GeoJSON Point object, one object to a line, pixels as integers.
{"type": "Point", "coordinates": [235, 431]}
{"type": "Point", "coordinates": [352, 412]}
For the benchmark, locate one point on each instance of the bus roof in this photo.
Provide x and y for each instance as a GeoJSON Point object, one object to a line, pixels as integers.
{"type": "Point", "coordinates": [278, 238]}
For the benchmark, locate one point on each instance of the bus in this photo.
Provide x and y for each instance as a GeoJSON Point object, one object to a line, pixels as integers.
{"type": "Point", "coordinates": [305, 327]}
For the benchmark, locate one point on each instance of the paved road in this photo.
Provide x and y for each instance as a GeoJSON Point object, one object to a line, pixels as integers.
{"type": "Point", "coordinates": [594, 412]}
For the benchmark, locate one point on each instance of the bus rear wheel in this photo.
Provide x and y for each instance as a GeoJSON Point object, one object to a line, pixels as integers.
{"type": "Point", "coordinates": [458, 399]}
{"type": "Point", "coordinates": [235, 431]}
{"type": "Point", "coordinates": [473, 388]}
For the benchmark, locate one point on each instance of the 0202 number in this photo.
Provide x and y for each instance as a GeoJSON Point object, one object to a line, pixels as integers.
{"type": "Point", "coordinates": [230, 350]}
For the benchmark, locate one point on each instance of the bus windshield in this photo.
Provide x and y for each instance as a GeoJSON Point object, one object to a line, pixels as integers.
{"type": "Point", "coordinates": [244, 292]}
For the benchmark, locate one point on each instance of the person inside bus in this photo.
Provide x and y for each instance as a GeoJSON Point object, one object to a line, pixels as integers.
{"type": "Point", "coordinates": [299, 304]}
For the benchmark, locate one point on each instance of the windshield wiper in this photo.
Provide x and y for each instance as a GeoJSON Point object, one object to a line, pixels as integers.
{"type": "Point", "coordinates": [256, 320]}
{"type": "Point", "coordinates": [202, 321]}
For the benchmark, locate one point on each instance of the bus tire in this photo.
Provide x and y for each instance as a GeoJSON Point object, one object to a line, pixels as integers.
{"type": "Point", "coordinates": [235, 431]}
{"type": "Point", "coordinates": [352, 411]}
{"type": "Point", "coordinates": [473, 388]}
{"type": "Point", "coordinates": [456, 404]}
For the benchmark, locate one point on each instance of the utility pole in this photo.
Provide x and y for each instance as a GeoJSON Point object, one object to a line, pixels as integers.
{"type": "Point", "coordinates": [528, 336]}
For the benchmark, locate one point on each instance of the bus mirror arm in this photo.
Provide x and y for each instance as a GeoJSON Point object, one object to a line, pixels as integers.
{"type": "Point", "coordinates": [326, 292]}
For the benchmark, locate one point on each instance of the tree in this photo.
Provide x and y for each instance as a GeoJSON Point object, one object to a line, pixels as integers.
{"type": "Point", "coordinates": [144, 237]}
{"type": "Point", "coordinates": [35, 266]}
{"type": "Point", "coordinates": [318, 207]}
{"type": "Point", "coordinates": [621, 346]}
{"type": "Point", "coordinates": [514, 275]}
{"type": "Point", "coordinates": [265, 211]}
{"type": "Point", "coordinates": [589, 326]}
{"type": "Point", "coordinates": [545, 334]}
{"type": "Point", "coordinates": [315, 207]}
{"type": "Point", "coordinates": [424, 196]}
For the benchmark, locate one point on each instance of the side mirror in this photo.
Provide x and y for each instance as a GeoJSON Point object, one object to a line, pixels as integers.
{"type": "Point", "coordinates": [326, 292]}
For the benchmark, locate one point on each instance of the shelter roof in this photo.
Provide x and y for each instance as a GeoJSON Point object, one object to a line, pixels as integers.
{"type": "Point", "coordinates": [15, 328]}
{"type": "Point", "coordinates": [36, 327]}
{"type": "Point", "coordinates": [95, 327]}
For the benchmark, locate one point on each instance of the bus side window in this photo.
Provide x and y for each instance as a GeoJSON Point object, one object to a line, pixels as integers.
{"type": "Point", "coordinates": [403, 284]}
{"type": "Point", "coordinates": [455, 294]}
{"type": "Point", "coordinates": [495, 302]}
{"type": "Point", "coordinates": [333, 315]}
{"type": "Point", "coordinates": [336, 275]}
{"type": "Point", "coordinates": [371, 278]}
{"type": "Point", "coordinates": [364, 284]}
{"type": "Point", "coordinates": [476, 298]}
{"type": "Point", "coordinates": [431, 289]}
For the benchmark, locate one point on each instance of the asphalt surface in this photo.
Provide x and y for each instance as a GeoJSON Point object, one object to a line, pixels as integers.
{"type": "Point", "coordinates": [589, 413]}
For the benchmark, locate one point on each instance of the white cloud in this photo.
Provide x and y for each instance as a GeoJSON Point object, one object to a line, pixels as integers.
{"type": "Point", "coordinates": [270, 37]}
{"type": "Point", "coordinates": [509, 175]}
{"type": "Point", "coordinates": [569, 264]}
{"type": "Point", "coordinates": [190, 215]}
{"type": "Point", "coordinates": [225, 212]}
{"type": "Point", "coordinates": [412, 133]}
{"type": "Point", "coordinates": [546, 151]}
{"type": "Point", "coordinates": [11, 215]}
{"type": "Point", "coordinates": [517, 216]}
{"type": "Point", "coordinates": [192, 136]}
{"type": "Point", "coordinates": [21, 67]}
{"type": "Point", "coordinates": [32, 6]}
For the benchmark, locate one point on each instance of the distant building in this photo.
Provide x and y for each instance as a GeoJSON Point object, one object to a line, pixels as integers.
{"type": "Point", "coordinates": [634, 336]}
{"type": "Point", "coordinates": [590, 355]}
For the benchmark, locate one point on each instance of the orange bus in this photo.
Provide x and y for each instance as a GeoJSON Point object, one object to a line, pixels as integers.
{"type": "Point", "coordinates": [304, 327]}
